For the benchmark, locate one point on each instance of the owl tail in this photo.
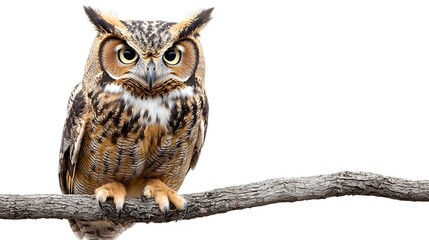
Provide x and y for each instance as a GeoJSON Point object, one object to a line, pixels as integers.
{"type": "Point", "coordinates": [98, 230]}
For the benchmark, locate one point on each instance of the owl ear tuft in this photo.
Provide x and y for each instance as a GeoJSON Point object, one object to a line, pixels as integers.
{"type": "Point", "coordinates": [193, 24]}
{"type": "Point", "coordinates": [99, 21]}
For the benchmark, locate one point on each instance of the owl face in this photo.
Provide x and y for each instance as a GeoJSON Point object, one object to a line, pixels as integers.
{"type": "Point", "coordinates": [124, 60]}
{"type": "Point", "coordinates": [147, 58]}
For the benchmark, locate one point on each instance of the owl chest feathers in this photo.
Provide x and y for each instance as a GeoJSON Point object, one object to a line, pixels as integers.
{"type": "Point", "coordinates": [155, 110]}
{"type": "Point", "coordinates": [130, 137]}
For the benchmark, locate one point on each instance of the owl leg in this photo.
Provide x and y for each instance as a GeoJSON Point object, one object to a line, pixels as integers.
{"type": "Point", "coordinates": [163, 195]}
{"type": "Point", "coordinates": [113, 190]}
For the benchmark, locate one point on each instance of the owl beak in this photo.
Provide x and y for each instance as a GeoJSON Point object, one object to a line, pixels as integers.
{"type": "Point", "coordinates": [150, 74]}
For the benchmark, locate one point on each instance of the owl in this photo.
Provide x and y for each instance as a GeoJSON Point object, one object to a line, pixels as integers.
{"type": "Point", "coordinates": [137, 121]}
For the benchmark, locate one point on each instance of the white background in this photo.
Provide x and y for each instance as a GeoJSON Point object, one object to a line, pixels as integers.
{"type": "Point", "coordinates": [296, 88]}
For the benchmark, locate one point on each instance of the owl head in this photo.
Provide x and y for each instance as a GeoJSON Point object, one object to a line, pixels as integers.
{"type": "Point", "coordinates": [146, 58]}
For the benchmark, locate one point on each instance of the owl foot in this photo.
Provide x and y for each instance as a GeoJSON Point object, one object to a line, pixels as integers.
{"type": "Point", "coordinates": [163, 195]}
{"type": "Point", "coordinates": [113, 190]}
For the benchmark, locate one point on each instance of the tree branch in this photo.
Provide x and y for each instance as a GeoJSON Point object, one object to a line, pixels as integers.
{"type": "Point", "coordinates": [217, 201]}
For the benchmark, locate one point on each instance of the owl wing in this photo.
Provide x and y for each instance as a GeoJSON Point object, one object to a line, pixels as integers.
{"type": "Point", "coordinates": [201, 133]}
{"type": "Point", "coordinates": [73, 132]}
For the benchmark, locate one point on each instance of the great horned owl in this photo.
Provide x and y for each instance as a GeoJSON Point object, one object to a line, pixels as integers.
{"type": "Point", "coordinates": [137, 121]}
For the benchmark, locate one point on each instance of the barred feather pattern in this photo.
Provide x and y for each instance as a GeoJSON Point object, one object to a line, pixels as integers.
{"type": "Point", "coordinates": [122, 143]}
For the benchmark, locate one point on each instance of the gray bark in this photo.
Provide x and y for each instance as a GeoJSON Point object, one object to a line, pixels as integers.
{"type": "Point", "coordinates": [217, 201]}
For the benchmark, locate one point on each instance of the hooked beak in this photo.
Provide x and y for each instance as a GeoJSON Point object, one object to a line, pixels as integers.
{"type": "Point", "coordinates": [150, 74]}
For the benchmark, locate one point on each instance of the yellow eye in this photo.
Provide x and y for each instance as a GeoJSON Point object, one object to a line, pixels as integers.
{"type": "Point", "coordinates": [127, 55]}
{"type": "Point", "coordinates": [172, 56]}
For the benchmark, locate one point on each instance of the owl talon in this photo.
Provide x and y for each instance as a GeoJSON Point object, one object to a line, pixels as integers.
{"type": "Point", "coordinates": [113, 190]}
{"type": "Point", "coordinates": [164, 195]}
{"type": "Point", "coordinates": [100, 204]}
{"type": "Point", "coordinates": [165, 211]}
{"type": "Point", "coordinates": [186, 211]}
{"type": "Point", "coordinates": [119, 210]}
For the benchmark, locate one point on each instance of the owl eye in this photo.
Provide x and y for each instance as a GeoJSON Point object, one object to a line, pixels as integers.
{"type": "Point", "coordinates": [172, 56]}
{"type": "Point", "coordinates": [127, 55]}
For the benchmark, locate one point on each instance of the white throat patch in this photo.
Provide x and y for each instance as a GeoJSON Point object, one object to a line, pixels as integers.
{"type": "Point", "coordinates": [152, 110]}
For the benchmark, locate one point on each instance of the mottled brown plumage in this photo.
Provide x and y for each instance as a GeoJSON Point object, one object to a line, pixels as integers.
{"type": "Point", "coordinates": [137, 122]}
